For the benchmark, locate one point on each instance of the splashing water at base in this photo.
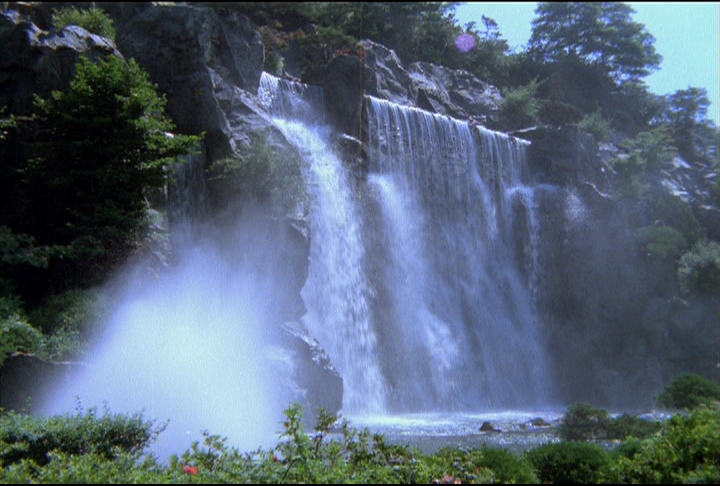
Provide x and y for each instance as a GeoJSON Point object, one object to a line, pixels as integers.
{"type": "Point", "coordinates": [186, 349]}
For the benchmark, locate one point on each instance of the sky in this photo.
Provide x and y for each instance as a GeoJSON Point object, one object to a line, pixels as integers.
{"type": "Point", "coordinates": [686, 36]}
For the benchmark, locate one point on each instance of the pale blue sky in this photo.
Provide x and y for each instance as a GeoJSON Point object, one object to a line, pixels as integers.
{"type": "Point", "coordinates": [686, 35]}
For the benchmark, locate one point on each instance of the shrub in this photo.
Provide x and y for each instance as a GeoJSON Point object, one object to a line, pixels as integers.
{"type": "Point", "coordinates": [625, 426]}
{"type": "Point", "coordinates": [74, 309]}
{"type": "Point", "coordinates": [584, 422]}
{"type": "Point", "coordinates": [67, 320]}
{"type": "Point", "coordinates": [520, 107]}
{"type": "Point", "coordinates": [569, 462]}
{"type": "Point", "coordinates": [505, 466]}
{"type": "Point", "coordinates": [663, 242]}
{"type": "Point", "coordinates": [267, 173]}
{"type": "Point", "coordinates": [699, 268]}
{"type": "Point", "coordinates": [689, 391]}
{"type": "Point", "coordinates": [16, 334]}
{"type": "Point", "coordinates": [24, 437]}
{"type": "Point", "coordinates": [686, 450]}
{"type": "Point", "coordinates": [94, 20]}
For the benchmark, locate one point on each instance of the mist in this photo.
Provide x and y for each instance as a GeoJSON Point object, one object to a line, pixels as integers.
{"type": "Point", "coordinates": [189, 349]}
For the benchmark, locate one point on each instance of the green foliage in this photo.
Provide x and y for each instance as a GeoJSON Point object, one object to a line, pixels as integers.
{"type": "Point", "coordinates": [414, 30]}
{"type": "Point", "coordinates": [327, 40]}
{"type": "Point", "coordinates": [699, 268]}
{"type": "Point", "coordinates": [559, 113]}
{"type": "Point", "coordinates": [653, 149]}
{"type": "Point", "coordinates": [662, 207]}
{"type": "Point", "coordinates": [520, 107]}
{"type": "Point", "coordinates": [626, 426]}
{"type": "Point", "coordinates": [596, 125]}
{"type": "Point", "coordinates": [22, 249]}
{"type": "Point", "coordinates": [93, 20]}
{"type": "Point", "coordinates": [68, 321]}
{"type": "Point", "coordinates": [24, 437]}
{"type": "Point", "coordinates": [16, 334]}
{"type": "Point", "coordinates": [686, 116]}
{"type": "Point", "coordinates": [582, 422]}
{"type": "Point", "coordinates": [600, 33]}
{"type": "Point", "coordinates": [647, 153]}
{"type": "Point", "coordinates": [686, 450]}
{"type": "Point", "coordinates": [88, 468]}
{"type": "Point", "coordinates": [689, 391]}
{"type": "Point", "coordinates": [569, 462]}
{"type": "Point", "coordinates": [92, 152]}
{"type": "Point", "coordinates": [75, 309]}
{"type": "Point", "coordinates": [87, 448]}
{"type": "Point", "coordinates": [663, 242]}
{"type": "Point", "coordinates": [265, 173]}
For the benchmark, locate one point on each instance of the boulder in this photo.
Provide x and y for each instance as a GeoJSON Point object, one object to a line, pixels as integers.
{"type": "Point", "coordinates": [489, 427]}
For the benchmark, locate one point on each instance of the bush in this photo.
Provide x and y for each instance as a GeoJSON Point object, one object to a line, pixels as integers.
{"type": "Point", "coordinates": [24, 437]}
{"type": "Point", "coordinates": [68, 321]}
{"type": "Point", "coordinates": [266, 173]}
{"type": "Point", "coordinates": [663, 242]}
{"type": "Point", "coordinates": [94, 20]}
{"type": "Point", "coordinates": [16, 334]}
{"type": "Point", "coordinates": [75, 309]}
{"type": "Point", "coordinates": [686, 450]}
{"type": "Point", "coordinates": [584, 422]}
{"type": "Point", "coordinates": [520, 107]}
{"type": "Point", "coordinates": [505, 466]}
{"type": "Point", "coordinates": [699, 268]}
{"type": "Point", "coordinates": [625, 426]}
{"type": "Point", "coordinates": [689, 391]}
{"type": "Point", "coordinates": [569, 462]}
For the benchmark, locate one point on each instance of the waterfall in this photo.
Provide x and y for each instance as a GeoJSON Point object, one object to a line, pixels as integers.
{"type": "Point", "coordinates": [337, 292]}
{"type": "Point", "coordinates": [456, 310]}
{"type": "Point", "coordinates": [422, 278]}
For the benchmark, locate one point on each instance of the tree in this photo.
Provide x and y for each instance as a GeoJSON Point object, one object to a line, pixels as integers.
{"type": "Point", "coordinates": [80, 167]}
{"type": "Point", "coordinates": [686, 115]}
{"type": "Point", "coordinates": [601, 33]}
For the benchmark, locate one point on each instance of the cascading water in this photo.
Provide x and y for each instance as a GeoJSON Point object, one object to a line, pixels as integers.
{"type": "Point", "coordinates": [421, 293]}
{"type": "Point", "coordinates": [337, 291]}
{"type": "Point", "coordinates": [456, 310]}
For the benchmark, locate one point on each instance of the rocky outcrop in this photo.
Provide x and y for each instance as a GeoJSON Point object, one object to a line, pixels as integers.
{"type": "Point", "coordinates": [36, 62]}
{"type": "Point", "coordinates": [207, 65]}
{"type": "Point", "coordinates": [315, 382]}
{"type": "Point", "coordinates": [375, 70]}
{"type": "Point", "coordinates": [455, 93]}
